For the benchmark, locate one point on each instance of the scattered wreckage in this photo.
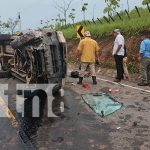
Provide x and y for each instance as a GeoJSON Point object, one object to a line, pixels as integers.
{"type": "Point", "coordinates": [38, 57]}
{"type": "Point", "coordinates": [6, 55]}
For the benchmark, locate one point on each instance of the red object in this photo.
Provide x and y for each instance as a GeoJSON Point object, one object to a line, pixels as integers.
{"type": "Point", "coordinates": [86, 86]}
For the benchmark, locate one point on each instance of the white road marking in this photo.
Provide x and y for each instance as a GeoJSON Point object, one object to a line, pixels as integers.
{"type": "Point", "coordinates": [124, 85]}
{"type": "Point", "coordinates": [8, 113]}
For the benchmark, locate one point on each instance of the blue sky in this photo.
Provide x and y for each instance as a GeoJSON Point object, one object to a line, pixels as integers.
{"type": "Point", "coordinates": [34, 11]}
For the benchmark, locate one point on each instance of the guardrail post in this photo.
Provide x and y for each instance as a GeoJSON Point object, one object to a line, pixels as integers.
{"type": "Point", "coordinates": [89, 22]}
{"type": "Point", "coordinates": [99, 20]}
{"type": "Point", "coordinates": [93, 21]}
{"type": "Point", "coordinates": [111, 18]}
{"type": "Point", "coordinates": [137, 11]}
{"type": "Point", "coordinates": [148, 7]}
{"type": "Point", "coordinates": [127, 14]}
{"type": "Point", "coordinates": [119, 16]}
{"type": "Point", "coordinates": [107, 20]}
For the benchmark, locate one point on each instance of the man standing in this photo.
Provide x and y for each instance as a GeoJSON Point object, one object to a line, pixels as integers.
{"type": "Point", "coordinates": [88, 49]}
{"type": "Point", "coordinates": [118, 53]}
{"type": "Point", "coordinates": [145, 61]}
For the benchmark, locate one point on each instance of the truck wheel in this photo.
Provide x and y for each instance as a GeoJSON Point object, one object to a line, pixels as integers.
{"type": "Point", "coordinates": [58, 91]}
{"type": "Point", "coordinates": [5, 74]}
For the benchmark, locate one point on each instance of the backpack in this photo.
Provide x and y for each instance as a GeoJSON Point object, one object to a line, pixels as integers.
{"type": "Point", "coordinates": [75, 74]}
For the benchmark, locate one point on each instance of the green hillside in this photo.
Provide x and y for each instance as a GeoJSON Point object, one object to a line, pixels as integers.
{"type": "Point", "coordinates": [132, 26]}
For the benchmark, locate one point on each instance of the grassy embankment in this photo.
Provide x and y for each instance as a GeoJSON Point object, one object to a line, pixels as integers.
{"type": "Point", "coordinates": [132, 26]}
{"type": "Point", "coordinates": [132, 29]}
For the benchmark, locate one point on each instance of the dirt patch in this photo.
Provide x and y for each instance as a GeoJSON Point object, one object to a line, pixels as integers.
{"type": "Point", "coordinates": [106, 59]}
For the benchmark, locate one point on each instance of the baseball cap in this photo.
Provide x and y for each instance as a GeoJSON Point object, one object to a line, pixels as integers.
{"type": "Point", "coordinates": [87, 34]}
{"type": "Point", "coordinates": [117, 30]}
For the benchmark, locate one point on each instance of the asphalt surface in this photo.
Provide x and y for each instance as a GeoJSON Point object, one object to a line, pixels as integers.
{"type": "Point", "coordinates": [8, 136]}
{"type": "Point", "coordinates": [78, 127]}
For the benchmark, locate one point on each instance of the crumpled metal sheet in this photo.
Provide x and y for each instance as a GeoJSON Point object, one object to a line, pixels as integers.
{"type": "Point", "coordinates": [22, 40]}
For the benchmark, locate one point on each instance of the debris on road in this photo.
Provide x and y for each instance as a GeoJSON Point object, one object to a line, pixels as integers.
{"type": "Point", "coordinates": [102, 103]}
{"type": "Point", "coordinates": [105, 90]}
{"type": "Point", "coordinates": [74, 84]}
{"type": "Point", "coordinates": [75, 74]}
{"type": "Point", "coordinates": [86, 86]}
{"type": "Point", "coordinates": [135, 124]}
{"type": "Point", "coordinates": [113, 91]}
{"type": "Point", "coordinates": [118, 128]}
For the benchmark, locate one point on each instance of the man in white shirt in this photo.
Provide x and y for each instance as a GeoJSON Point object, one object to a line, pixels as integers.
{"type": "Point", "coordinates": [118, 53]}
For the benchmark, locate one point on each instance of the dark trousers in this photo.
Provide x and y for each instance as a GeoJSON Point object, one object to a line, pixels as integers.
{"type": "Point", "coordinates": [119, 66]}
{"type": "Point", "coordinates": [145, 70]}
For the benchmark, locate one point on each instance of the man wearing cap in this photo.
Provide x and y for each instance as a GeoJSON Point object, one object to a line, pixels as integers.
{"type": "Point", "coordinates": [88, 49]}
{"type": "Point", "coordinates": [118, 53]}
{"type": "Point", "coordinates": [145, 61]}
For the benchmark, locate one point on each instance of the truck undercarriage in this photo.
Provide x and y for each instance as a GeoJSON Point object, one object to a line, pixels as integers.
{"type": "Point", "coordinates": [40, 57]}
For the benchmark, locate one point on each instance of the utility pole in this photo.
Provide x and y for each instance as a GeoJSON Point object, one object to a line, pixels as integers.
{"type": "Point", "coordinates": [19, 21]}
{"type": "Point", "coordinates": [94, 11]}
{"type": "Point", "coordinates": [128, 5]}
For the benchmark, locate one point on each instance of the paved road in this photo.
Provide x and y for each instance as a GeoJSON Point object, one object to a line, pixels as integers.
{"type": "Point", "coordinates": [8, 136]}
{"type": "Point", "coordinates": [79, 128]}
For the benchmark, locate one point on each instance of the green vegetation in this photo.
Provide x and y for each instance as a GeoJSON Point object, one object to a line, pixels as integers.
{"type": "Point", "coordinates": [134, 25]}
{"type": "Point", "coordinates": [84, 9]}
{"type": "Point", "coordinates": [145, 2]}
{"type": "Point", "coordinates": [112, 5]}
{"type": "Point", "coordinates": [9, 26]}
{"type": "Point", "coordinates": [132, 68]}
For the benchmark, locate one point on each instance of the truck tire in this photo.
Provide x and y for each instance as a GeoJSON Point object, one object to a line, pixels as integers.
{"type": "Point", "coordinates": [58, 91]}
{"type": "Point", "coordinates": [5, 74]}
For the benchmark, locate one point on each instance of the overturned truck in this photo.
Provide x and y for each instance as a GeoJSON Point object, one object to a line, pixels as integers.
{"type": "Point", "coordinates": [40, 57]}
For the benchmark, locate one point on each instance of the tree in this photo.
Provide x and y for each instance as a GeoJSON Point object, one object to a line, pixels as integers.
{"type": "Point", "coordinates": [9, 26]}
{"type": "Point", "coordinates": [146, 2]}
{"type": "Point", "coordinates": [59, 21]}
{"type": "Point", "coordinates": [62, 21]}
{"type": "Point", "coordinates": [72, 15]}
{"type": "Point", "coordinates": [112, 5]}
{"type": "Point", "coordinates": [84, 9]}
{"type": "Point", "coordinates": [1, 26]}
{"type": "Point", "coordinates": [64, 8]}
